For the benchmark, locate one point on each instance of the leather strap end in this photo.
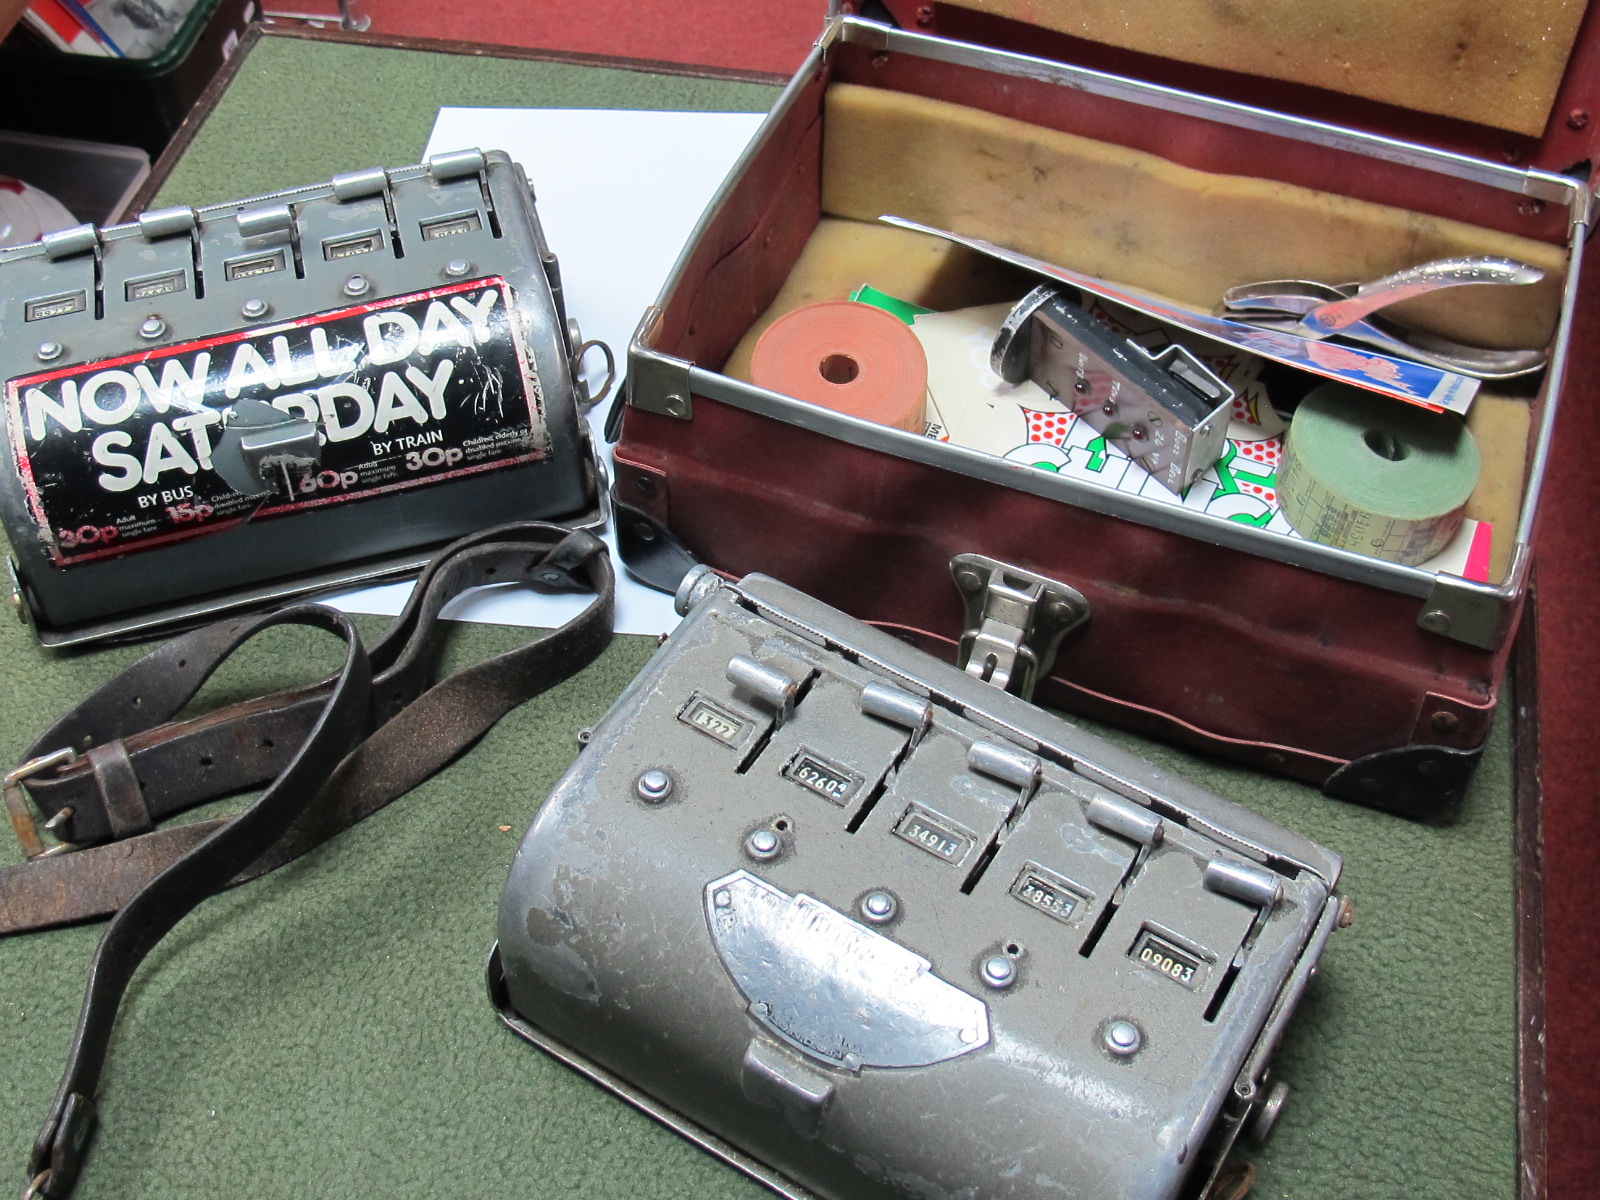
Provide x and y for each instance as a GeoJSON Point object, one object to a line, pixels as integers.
{"type": "Point", "coordinates": [58, 1152]}
{"type": "Point", "coordinates": [572, 553]}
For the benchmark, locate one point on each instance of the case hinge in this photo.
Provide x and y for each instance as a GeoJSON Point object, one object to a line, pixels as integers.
{"type": "Point", "coordinates": [1015, 621]}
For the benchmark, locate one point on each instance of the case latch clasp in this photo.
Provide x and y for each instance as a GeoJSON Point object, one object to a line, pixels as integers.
{"type": "Point", "coordinates": [1015, 621]}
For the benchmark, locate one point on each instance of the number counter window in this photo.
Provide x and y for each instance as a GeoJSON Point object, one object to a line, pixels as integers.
{"type": "Point", "coordinates": [826, 778]}
{"type": "Point", "coordinates": [1165, 957]}
{"type": "Point", "coordinates": [938, 836]}
{"type": "Point", "coordinates": [1053, 895]}
{"type": "Point", "coordinates": [714, 720]}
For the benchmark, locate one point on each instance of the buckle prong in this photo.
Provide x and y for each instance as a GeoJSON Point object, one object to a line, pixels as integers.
{"type": "Point", "coordinates": [24, 817]}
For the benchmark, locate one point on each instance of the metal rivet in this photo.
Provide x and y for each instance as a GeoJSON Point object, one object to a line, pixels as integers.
{"type": "Point", "coordinates": [654, 786]}
{"type": "Point", "coordinates": [677, 406]}
{"type": "Point", "coordinates": [999, 971]}
{"type": "Point", "coordinates": [879, 907]}
{"type": "Point", "coordinates": [254, 310]}
{"type": "Point", "coordinates": [457, 267]}
{"type": "Point", "coordinates": [968, 1036]}
{"type": "Point", "coordinates": [1347, 913]}
{"type": "Point", "coordinates": [723, 898]}
{"type": "Point", "coordinates": [357, 285]}
{"type": "Point", "coordinates": [1370, 783]}
{"type": "Point", "coordinates": [1578, 118]}
{"type": "Point", "coordinates": [49, 351]}
{"type": "Point", "coordinates": [969, 581]}
{"type": "Point", "coordinates": [1123, 1038]}
{"type": "Point", "coordinates": [549, 576]}
{"type": "Point", "coordinates": [1061, 609]}
{"type": "Point", "coordinates": [762, 844]}
{"type": "Point", "coordinates": [1445, 722]}
{"type": "Point", "coordinates": [1435, 621]}
{"type": "Point", "coordinates": [152, 327]}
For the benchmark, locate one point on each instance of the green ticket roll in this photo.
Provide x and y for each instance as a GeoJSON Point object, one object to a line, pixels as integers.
{"type": "Point", "coordinates": [1367, 473]}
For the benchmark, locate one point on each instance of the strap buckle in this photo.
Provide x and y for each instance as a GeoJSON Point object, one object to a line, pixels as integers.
{"type": "Point", "coordinates": [24, 817]}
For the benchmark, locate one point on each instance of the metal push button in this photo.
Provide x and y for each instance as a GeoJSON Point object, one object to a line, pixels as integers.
{"type": "Point", "coordinates": [768, 685]}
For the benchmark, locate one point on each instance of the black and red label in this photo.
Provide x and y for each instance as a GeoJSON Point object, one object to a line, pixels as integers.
{"type": "Point", "coordinates": [115, 455]}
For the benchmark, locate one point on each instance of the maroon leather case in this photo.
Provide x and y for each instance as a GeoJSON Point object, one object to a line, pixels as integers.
{"type": "Point", "coordinates": [1376, 684]}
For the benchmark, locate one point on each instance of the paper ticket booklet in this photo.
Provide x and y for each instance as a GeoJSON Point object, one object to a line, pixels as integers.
{"type": "Point", "coordinates": [1413, 382]}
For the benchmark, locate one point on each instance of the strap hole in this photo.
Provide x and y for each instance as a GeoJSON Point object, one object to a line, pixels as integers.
{"type": "Point", "coordinates": [182, 662]}
{"type": "Point", "coordinates": [138, 700]}
{"type": "Point", "coordinates": [488, 570]}
{"type": "Point", "coordinates": [267, 742]}
{"type": "Point", "coordinates": [205, 760]}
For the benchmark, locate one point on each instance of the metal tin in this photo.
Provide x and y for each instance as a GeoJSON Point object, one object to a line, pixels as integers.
{"type": "Point", "coordinates": [837, 1011]}
{"type": "Point", "coordinates": [1168, 411]}
{"type": "Point", "coordinates": [210, 408]}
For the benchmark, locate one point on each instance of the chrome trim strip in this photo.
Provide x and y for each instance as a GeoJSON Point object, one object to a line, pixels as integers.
{"type": "Point", "coordinates": [1538, 184]}
{"type": "Point", "coordinates": [1554, 377]}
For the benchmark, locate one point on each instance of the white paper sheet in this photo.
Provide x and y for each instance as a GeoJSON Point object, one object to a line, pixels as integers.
{"type": "Point", "coordinates": [619, 193]}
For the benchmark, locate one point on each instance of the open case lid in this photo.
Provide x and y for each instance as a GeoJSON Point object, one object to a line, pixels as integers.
{"type": "Point", "coordinates": [1516, 83]}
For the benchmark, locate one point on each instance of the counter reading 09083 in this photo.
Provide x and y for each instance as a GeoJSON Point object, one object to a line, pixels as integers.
{"type": "Point", "coordinates": [1162, 956]}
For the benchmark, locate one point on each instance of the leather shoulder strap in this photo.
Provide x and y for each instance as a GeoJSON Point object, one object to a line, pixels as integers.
{"type": "Point", "coordinates": [177, 765]}
{"type": "Point", "coordinates": [364, 739]}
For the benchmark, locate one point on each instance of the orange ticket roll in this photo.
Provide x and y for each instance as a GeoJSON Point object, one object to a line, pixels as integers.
{"type": "Point", "coordinates": [848, 357]}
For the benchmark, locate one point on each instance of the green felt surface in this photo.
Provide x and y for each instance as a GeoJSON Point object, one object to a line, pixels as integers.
{"type": "Point", "coordinates": [324, 1031]}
